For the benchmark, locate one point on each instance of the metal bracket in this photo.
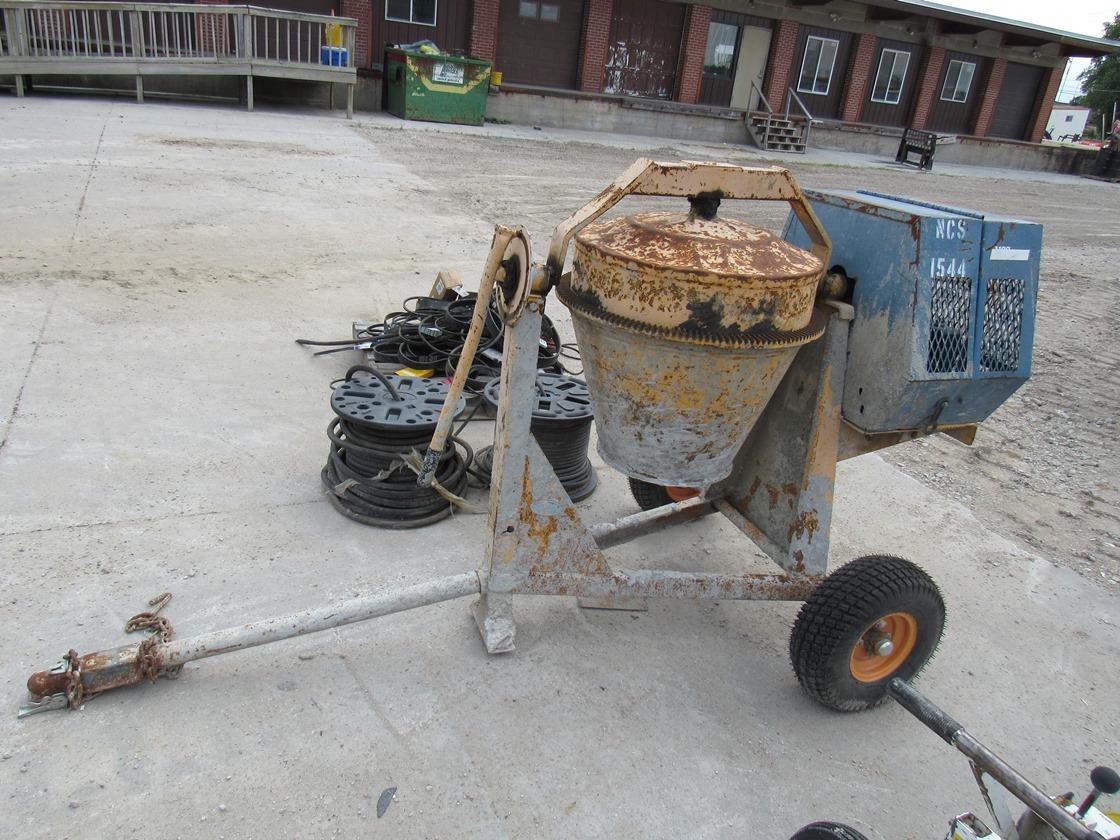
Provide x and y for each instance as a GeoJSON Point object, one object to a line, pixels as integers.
{"type": "Point", "coordinates": [44, 704]}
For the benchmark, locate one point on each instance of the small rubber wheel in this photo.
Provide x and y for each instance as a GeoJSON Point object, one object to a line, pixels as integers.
{"type": "Point", "coordinates": [875, 618]}
{"type": "Point", "coordinates": [828, 831]}
{"type": "Point", "coordinates": [650, 496]}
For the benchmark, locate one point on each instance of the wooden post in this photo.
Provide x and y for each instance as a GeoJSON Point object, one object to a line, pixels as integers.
{"type": "Point", "coordinates": [137, 50]}
{"type": "Point", "coordinates": [349, 102]}
{"type": "Point", "coordinates": [247, 57]}
{"type": "Point", "coordinates": [17, 39]}
{"type": "Point", "coordinates": [330, 103]}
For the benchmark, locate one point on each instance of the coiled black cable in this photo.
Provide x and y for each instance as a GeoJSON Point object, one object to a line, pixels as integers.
{"type": "Point", "coordinates": [561, 425]}
{"type": "Point", "coordinates": [428, 334]}
{"type": "Point", "coordinates": [368, 472]}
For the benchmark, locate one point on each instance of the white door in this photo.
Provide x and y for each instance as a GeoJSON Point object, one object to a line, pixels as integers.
{"type": "Point", "coordinates": [754, 49]}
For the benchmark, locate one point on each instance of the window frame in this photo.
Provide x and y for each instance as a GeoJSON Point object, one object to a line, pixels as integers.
{"type": "Point", "coordinates": [816, 73]}
{"type": "Point", "coordinates": [538, 11]}
{"type": "Point", "coordinates": [957, 82]}
{"type": "Point", "coordinates": [734, 50]}
{"type": "Point", "coordinates": [411, 8]}
{"type": "Point", "coordinates": [894, 63]}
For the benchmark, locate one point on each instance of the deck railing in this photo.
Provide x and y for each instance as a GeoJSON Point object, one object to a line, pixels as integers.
{"type": "Point", "coordinates": [45, 37]}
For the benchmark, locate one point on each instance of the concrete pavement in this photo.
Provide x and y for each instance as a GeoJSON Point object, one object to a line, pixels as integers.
{"type": "Point", "coordinates": [162, 432]}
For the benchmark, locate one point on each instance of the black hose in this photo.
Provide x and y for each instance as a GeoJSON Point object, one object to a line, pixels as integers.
{"type": "Point", "coordinates": [428, 334]}
{"type": "Point", "coordinates": [376, 374]}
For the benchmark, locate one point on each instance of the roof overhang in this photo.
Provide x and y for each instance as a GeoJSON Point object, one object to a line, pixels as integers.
{"type": "Point", "coordinates": [1017, 32]}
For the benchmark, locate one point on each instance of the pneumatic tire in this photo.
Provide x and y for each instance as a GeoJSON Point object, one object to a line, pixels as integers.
{"type": "Point", "coordinates": [647, 495]}
{"type": "Point", "coordinates": [828, 831]}
{"type": "Point", "coordinates": [650, 496]}
{"type": "Point", "coordinates": [876, 618]}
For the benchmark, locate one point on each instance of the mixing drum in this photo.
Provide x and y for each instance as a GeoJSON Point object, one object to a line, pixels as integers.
{"type": "Point", "coordinates": [686, 322]}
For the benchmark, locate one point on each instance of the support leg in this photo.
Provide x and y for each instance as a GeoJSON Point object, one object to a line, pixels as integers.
{"type": "Point", "coordinates": [249, 93]}
{"type": "Point", "coordinates": [140, 89]}
{"type": "Point", "coordinates": [330, 86]}
{"type": "Point", "coordinates": [19, 85]}
{"type": "Point", "coordinates": [494, 615]}
{"type": "Point", "coordinates": [349, 102]}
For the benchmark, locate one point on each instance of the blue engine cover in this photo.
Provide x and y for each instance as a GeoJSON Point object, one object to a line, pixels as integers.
{"type": "Point", "coordinates": [945, 306]}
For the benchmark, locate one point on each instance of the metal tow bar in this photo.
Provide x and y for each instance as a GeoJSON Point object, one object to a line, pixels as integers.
{"type": "Point", "coordinates": [79, 677]}
{"type": "Point", "coordinates": [984, 759]}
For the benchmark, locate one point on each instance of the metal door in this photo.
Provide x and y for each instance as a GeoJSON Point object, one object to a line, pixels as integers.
{"type": "Point", "coordinates": [721, 55]}
{"type": "Point", "coordinates": [754, 51]}
{"type": "Point", "coordinates": [538, 42]}
{"type": "Point", "coordinates": [1015, 104]}
{"type": "Point", "coordinates": [644, 48]}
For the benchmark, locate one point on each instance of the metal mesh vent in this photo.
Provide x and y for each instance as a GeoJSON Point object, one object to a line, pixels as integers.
{"type": "Point", "coordinates": [950, 303]}
{"type": "Point", "coordinates": [1003, 324]}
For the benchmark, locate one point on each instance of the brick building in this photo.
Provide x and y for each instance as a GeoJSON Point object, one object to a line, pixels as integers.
{"type": "Point", "coordinates": [877, 62]}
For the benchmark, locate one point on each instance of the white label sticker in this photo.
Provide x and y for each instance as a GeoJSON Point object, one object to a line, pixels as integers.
{"type": "Point", "coordinates": [444, 71]}
{"type": "Point", "coordinates": [1002, 252]}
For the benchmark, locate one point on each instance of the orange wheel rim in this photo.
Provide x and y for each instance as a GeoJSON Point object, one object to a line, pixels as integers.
{"type": "Point", "coordinates": [871, 659]}
{"type": "Point", "coordinates": [679, 494]}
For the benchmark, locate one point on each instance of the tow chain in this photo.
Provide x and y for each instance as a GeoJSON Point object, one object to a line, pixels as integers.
{"type": "Point", "coordinates": [162, 631]}
{"type": "Point", "coordinates": [146, 659]}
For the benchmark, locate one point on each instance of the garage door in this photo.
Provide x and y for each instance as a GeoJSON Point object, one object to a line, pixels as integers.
{"type": "Point", "coordinates": [1015, 104]}
{"type": "Point", "coordinates": [644, 48]}
{"type": "Point", "coordinates": [538, 42]}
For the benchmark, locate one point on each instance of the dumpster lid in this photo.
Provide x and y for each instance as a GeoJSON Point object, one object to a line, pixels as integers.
{"type": "Point", "coordinates": [452, 59]}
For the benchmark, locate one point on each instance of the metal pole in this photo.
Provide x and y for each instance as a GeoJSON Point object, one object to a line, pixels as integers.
{"type": "Point", "coordinates": [955, 735]}
{"type": "Point", "coordinates": [86, 675]}
{"type": "Point", "coordinates": [180, 651]}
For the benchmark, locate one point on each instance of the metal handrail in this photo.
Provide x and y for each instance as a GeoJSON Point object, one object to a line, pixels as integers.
{"type": "Point", "coordinates": [761, 97]}
{"type": "Point", "coordinates": [43, 31]}
{"type": "Point", "coordinates": [791, 95]}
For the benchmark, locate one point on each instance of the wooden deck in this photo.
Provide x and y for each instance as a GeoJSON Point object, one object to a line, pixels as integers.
{"type": "Point", "coordinates": [146, 39]}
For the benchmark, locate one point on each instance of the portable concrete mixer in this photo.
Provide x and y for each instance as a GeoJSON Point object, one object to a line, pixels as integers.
{"type": "Point", "coordinates": [727, 360]}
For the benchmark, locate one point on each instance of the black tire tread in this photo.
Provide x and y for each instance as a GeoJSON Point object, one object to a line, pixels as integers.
{"type": "Point", "coordinates": [852, 595]}
{"type": "Point", "coordinates": [828, 831]}
{"type": "Point", "coordinates": [647, 495]}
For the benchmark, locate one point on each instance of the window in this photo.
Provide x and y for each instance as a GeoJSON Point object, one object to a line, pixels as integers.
{"type": "Point", "coordinates": [958, 79]}
{"type": "Point", "coordinates": [891, 77]}
{"type": "Point", "coordinates": [816, 67]}
{"type": "Point", "coordinates": [411, 11]}
{"type": "Point", "coordinates": [1069, 117]}
{"type": "Point", "coordinates": [719, 56]}
{"type": "Point", "coordinates": [535, 10]}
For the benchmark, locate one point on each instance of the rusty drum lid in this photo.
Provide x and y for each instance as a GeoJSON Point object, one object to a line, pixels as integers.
{"type": "Point", "coordinates": [687, 242]}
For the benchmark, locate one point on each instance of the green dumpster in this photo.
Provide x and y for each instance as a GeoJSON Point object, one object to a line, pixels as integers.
{"type": "Point", "coordinates": [436, 88]}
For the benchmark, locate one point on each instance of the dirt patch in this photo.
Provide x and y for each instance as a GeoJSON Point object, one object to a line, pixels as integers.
{"type": "Point", "coordinates": [1045, 469]}
{"type": "Point", "coordinates": [242, 145]}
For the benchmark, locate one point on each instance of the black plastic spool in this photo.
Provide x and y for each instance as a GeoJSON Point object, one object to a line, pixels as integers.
{"type": "Point", "coordinates": [561, 424]}
{"type": "Point", "coordinates": [372, 431]}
